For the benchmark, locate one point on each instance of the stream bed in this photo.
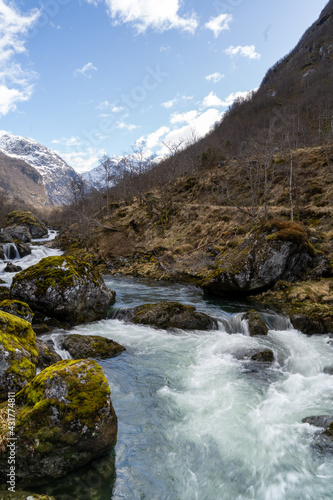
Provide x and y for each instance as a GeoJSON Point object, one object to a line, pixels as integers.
{"type": "Point", "coordinates": [196, 422]}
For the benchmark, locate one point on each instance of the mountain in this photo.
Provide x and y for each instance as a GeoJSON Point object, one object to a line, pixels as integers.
{"type": "Point", "coordinates": [51, 181]}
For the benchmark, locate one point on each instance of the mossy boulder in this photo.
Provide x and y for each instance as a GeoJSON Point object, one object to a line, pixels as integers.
{"type": "Point", "coordinates": [256, 324]}
{"type": "Point", "coordinates": [90, 346]}
{"type": "Point", "coordinates": [166, 315]}
{"type": "Point", "coordinates": [18, 354]}
{"type": "Point", "coordinates": [4, 293]}
{"type": "Point", "coordinates": [17, 308]}
{"type": "Point", "coordinates": [309, 304]}
{"type": "Point", "coordinates": [66, 288]}
{"type": "Point", "coordinates": [27, 219]}
{"type": "Point", "coordinates": [46, 355]}
{"type": "Point", "coordinates": [64, 420]}
{"type": "Point", "coordinates": [273, 251]}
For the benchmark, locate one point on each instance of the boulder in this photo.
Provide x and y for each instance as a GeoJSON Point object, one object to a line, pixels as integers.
{"type": "Point", "coordinates": [256, 324]}
{"type": "Point", "coordinates": [90, 346]}
{"type": "Point", "coordinates": [12, 268]}
{"type": "Point", "coordinates": [29, 220]}
{"type": "Point", "coordinates": [257, 355]}
{"type": "Point", "coordinates": [18, 354]}
{"type": "Point", "coordinates": [64, 420]}
{"type": "Point", "coordinates": [167, 315]}
{"type": "Point", "coordinates": [275, 250]}
{"type": "Point", "coordinates": [46, 355]}
{"type": "Point", "coordinates": [17, 308]}
{"type": "Point", "coordinates": [20, 233]}
{"type": "Point", "coordinates": [66, 288]}
{"type": "Point", "coordinates": [23, 249]}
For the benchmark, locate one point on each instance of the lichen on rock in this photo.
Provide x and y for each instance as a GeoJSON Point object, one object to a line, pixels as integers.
{"type": "Point", "coordinates": [65, 288]}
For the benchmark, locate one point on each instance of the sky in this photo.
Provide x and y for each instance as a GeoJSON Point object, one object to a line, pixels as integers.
{"type": "Point", "coordinates": [93, 77]}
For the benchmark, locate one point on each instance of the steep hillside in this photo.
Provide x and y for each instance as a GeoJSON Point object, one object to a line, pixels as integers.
{"type": "Point", "coordinates": [21, 182]}
{"type": "Point", "coordinates": [50, 170]}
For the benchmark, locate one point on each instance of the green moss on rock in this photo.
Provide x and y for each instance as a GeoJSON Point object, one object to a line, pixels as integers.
{"type": "Point", "coordinates": [91, 346]}
{"type": "Point", "coordinates": [66, 288]}
{"type": "Point", "coordinates": [64, 420]}
{"type": "Point", "coordinates": [18, 353]}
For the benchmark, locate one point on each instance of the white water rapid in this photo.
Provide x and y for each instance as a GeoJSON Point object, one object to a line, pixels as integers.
{"type": "Point", "coordinates": [198, 423]}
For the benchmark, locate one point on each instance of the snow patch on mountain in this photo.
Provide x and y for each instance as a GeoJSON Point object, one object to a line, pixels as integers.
{"type": "Point", "coordinates": [59, 178]}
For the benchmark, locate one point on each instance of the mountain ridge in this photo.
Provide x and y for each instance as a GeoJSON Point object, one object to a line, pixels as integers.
{"type": "Point", "coordinates": [51, 171]}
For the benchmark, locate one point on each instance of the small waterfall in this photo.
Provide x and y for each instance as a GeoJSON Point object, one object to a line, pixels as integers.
{"type": "Point", "coordinates": [56, 344]}
{"type": "Point", "coordinates": [10, 252]}
{"type": "Point", "coordinates": [235, 324]}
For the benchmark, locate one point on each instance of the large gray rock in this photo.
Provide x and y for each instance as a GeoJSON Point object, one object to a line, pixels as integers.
{"type": "Point", "coordinates": [20, 233]}
{"type": "Point", "coordinates": [68, 289]}
{"type": "Point", "coordinates": [275, 250]}
{"type": "Point", "coordinates": [64, 420]}
{"type": "Point", "coordinates": [257, 325]}
{"type": "Point", "coordinates": [166, 315]}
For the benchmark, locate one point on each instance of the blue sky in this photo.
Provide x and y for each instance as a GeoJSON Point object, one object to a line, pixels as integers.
{"type": "Point", "coordinates": [93, 77]}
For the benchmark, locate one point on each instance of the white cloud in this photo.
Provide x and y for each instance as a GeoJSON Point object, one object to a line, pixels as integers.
{"type": "Point", "coordinates": [67, 141]}
{"type": "Point", "coordinates": [123, 125]}
{"type": "Point", "coordinates": [214, 77]}
{"type": "Point", "coordinates": [86, 70]}
{"type": "Point", "coordinates": [15, 82]}
{"type": "Point", "coordinates": [83, 161]}
{"type": "Point", "coordinates": [144, 14]}
{"type": "Point", "coordinates": [184, 117]}
{"type": "Point", "coordinates": [153, 139]}
{"type": "Point", "coordinates": [219, 23]}
{"type": "Point", "coordinates": [211, 101]}
{"type": "Point", "coordinates": [169, 104]}
{"type": "Point", "coordinates": [244, 51]}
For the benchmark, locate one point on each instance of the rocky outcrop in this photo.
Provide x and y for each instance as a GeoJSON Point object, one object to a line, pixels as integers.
{"type": "Point", "coordinates": [28, 220]}
{"type": "Point", "coordinates": [256, 324]}
{"type": "Point", "coordinates": [64, 420]}
{"type": "Point", "coordinates": [68, 289]}
{"type": "Point", "coordinates": [275, 250]}
{"type": "Point", "coordinates": [18, 354]}
{"type": "Point", "coordinates": [309, 304]}
{"type": "Point", "coordinates": [90, 346]}
{"type": "Point", "coordinates": [17, 308]}
{"type": "Point", "coordinates": [46, 355]}
{"type": "Point", "coordinates": [166, 315]}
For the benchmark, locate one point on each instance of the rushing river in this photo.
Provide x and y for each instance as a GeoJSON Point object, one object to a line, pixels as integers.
{"type": "Point", "coordinates": [196, 422]}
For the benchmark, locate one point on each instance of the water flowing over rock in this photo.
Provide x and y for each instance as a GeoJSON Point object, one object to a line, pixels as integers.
{"type": "Point", "coordinates": [65, 419]}
{"type": "Point", "coordinates": [18, 354]}
{"type": "Point", "coordinates": [256, 324]}
{"type": "Point", "coordinates": [275, 250]}
{"type": "Point", "coordinates": [66, 288]}
{"type": "Point", "coordinates": [168, 315]}
{"type": "Point", "coordinates": [90, 346]}
{"type": "Point", "coordinates": [46, 355]}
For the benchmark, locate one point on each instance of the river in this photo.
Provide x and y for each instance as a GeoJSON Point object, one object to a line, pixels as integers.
{"type": "Point", "coordinates": [196, 422]}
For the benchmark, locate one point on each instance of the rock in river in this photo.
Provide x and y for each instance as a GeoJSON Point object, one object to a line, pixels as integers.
{"type": "Point", "coordinates": [167, 315]}
{"type": "Point", "coordinates": [65, 288]}
{"type": "Point", "coordinates": [64, 420]}
{"type": "Point", "coordinates": [90, 346]}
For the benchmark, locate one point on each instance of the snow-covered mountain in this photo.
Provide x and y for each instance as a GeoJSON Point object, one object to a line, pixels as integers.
{"type": "Point", "coordinates": [56, 176]}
